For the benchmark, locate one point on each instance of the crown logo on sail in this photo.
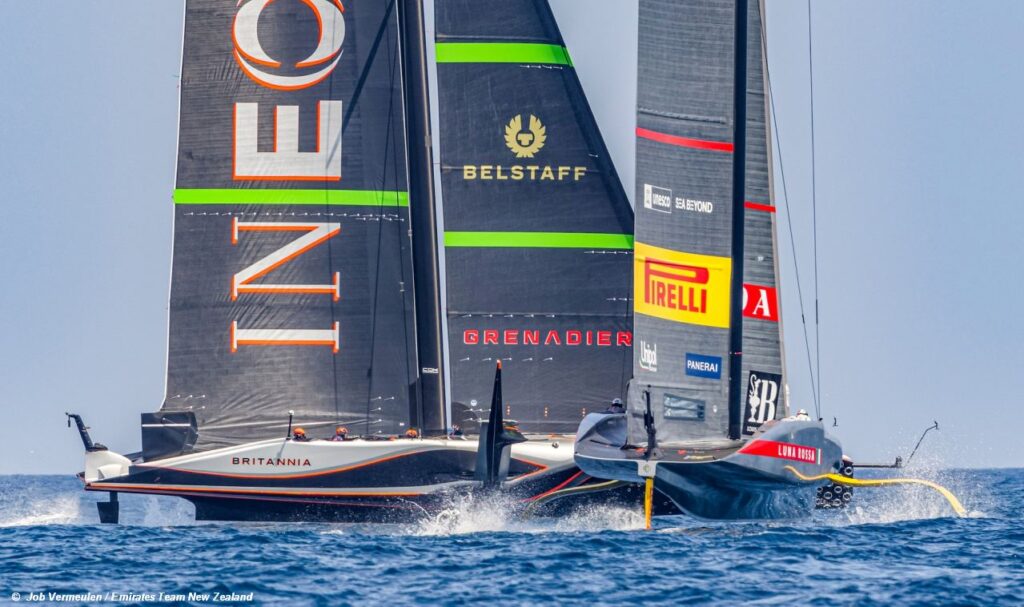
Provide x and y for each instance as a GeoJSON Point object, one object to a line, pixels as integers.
{"type": "Point", "coordinates": [525, 143]}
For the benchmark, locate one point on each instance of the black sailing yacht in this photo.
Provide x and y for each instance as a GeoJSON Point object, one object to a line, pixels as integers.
{"type": "Point", "coordinates": [307, 269]}
{"type": "Point", "coordinates": [708, 413]}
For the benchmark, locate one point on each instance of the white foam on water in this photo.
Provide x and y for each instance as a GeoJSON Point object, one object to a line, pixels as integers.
{"type": "Point", "coordinates": [32, 511]}
{"type": "Point", "coordinates": [333, 532]}
{"type": "Point", "coordinates": [898, 503]}
{"type": "Point", "coordinates": [475, 514]}
{"type": "Point", "coordinates": [601, 518]}
{"type": "Point", "coordinates": [468, 514]}
{"type": "Point", "coordinates": [161, 511]}
{"type": "Point", "coordinates": [895, 504]}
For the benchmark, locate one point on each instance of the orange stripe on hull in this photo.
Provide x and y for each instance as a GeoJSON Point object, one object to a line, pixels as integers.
{"type": "Point", "coordinates": [178, 489]}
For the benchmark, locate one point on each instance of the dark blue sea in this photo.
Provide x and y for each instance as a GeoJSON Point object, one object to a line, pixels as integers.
{"type": "Point", "coordinates": [897, 546]}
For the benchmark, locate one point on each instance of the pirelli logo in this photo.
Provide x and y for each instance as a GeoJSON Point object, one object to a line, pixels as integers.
{"type": "Point", "coordinates": [682, 287]}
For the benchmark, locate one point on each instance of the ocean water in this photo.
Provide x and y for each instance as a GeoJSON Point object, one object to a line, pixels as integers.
{"type": "Point", "coordinates": [898, 546]}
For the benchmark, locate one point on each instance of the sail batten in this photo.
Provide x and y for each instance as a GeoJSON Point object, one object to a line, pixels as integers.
{"type": "Point", "coordinates": [684, 142]}
{"type": "Point", "coordinates": [502, 52]}
{"type": "Point", "coordinates": [553, 240]}
{"type": "Point", "coordinates": [367, 198]}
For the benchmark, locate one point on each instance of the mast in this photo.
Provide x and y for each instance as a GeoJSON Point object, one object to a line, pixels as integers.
{"type": "Point", "coordinates": [738, 220]}
{"type": "Point", "coordinates": [428, 410]}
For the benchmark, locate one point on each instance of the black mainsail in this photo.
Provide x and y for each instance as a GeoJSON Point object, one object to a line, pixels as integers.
{"type": "Point", "coordinates": [706, 420]}
{"type": "Point", "coordinates": [538, 230]}
{"type": "Point", "coordinates": [292, 279]}
{"type": "Point", "coordinates": [685, 304]}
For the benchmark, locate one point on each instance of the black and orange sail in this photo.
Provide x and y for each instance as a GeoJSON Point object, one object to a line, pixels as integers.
{"type": "Point", "coordinates": [292, 281]}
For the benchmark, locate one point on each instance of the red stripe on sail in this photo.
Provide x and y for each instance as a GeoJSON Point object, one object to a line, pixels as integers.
{"type": "Point", "coordinates": [756, 206]}
{"type": "Point", "coordinates": [685, 142]}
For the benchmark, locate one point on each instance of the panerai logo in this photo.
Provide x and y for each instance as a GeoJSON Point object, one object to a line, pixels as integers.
{"type": "Point", "coordinates": [762, 400]}
{"type": "Point", "coordinates": [648, 356]}
{"type": "Point", "coordinates": [524, 141]}
{"type": "Point", "coordinates": [700, 365]}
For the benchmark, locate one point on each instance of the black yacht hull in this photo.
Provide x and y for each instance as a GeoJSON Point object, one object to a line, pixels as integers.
{"type": "Point", "coordinates": [758, 479]}
{"type": "Point", "coordinates": [356, 481]}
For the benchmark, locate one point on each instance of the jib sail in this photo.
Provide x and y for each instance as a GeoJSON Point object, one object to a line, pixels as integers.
{"type": "Point", "coordinates": [291, 282]}
{"type": "Point", "coordinates": [685, 238]}
{"type": "Point", "coordinates": [538, 230]}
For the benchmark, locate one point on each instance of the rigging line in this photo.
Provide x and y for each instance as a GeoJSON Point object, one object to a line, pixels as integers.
{"type": "Point", "coordinates": [335, 317]}
{"type": "Point", "coordinates": [814, 204]}
{"type": "Point", "coordinates": [404, 232]}
{"type": "Point", "coordinates": [380, 235]}
{"type": "Point", "coordinates": [789, 224]}
{"type": "Point", "coordinates": [369, 63]}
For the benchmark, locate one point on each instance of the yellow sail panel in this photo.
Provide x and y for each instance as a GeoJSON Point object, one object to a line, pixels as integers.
{"type": "Point", "coordinates": [681, 287]}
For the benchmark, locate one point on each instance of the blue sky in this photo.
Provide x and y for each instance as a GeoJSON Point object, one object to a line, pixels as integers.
{"type": "Point", "coordinates": [919, 222]}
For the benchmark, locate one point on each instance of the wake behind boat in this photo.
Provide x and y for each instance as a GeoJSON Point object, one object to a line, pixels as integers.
{"type": "Point", "coordinates": [306, 271]}
{"type": "Point", "coordinates": [707, 421]}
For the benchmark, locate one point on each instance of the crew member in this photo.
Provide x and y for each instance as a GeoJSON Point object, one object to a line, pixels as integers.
{"type": "Point", "coordinates": [412, 433]}
{"type": "Point", "coordinates": [456, 432]}
{"type": "Point", "coordinates": [616, 406]}
{"type": "Point", "coordinates": [340, 434]}
{"type": "Point", "coordinates": [300, 435]}
{"type": "Point", "coordinates": [801, 416]}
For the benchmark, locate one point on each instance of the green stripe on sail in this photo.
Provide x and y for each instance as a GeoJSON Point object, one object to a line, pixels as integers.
{"type": "Point", "coordinates": [548, 240]}
{"type": "Point", "coordinates": [502, 52]}
{"type": "Point", "coordinates": [365, 198]}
